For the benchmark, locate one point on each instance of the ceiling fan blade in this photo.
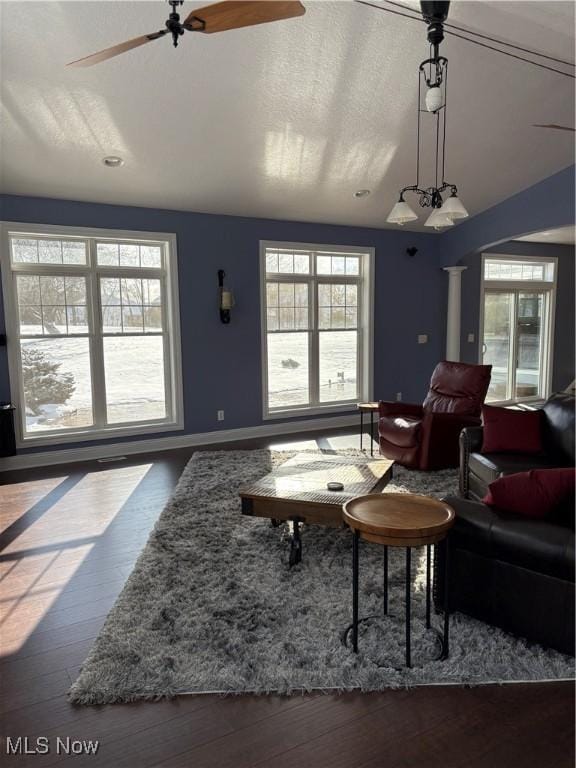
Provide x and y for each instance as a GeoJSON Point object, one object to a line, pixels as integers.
{"type": "Point", "coordinates": [233, 14]}
{"type": "Point", "coordinates": [553, 125]}
{"type": "Point", "coordinates": [115, 50]}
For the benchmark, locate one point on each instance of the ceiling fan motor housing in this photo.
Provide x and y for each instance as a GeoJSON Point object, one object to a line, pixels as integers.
{"type": "Point", "coordinates": [173, 24]}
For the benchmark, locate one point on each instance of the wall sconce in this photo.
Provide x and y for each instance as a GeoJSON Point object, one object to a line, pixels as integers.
{"type": "Point", "coordinates": [226, 298]}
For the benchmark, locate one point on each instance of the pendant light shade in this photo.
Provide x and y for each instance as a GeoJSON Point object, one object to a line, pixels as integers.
{"type": "Point", "coordinates": [401, 213]}
{"type": "Point", "coordinates": [438, 219]}
{"type": "Point", "coordinates": [453, 207]}
{"type": "Point", "coordinates": [433, 99]}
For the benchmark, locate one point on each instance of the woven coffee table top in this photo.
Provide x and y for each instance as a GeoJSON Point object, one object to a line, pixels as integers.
{"type": "Point", "coordinates": [305, 476]}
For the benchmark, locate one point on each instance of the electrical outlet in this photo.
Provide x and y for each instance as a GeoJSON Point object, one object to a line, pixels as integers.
{"type": "Point", "coordinates": [220, 415]}
{"type": "Point", "coordinates": [398, 396]}
{"type": "Point", "coordinates": [422, 338]}
{"type": "Point", "coordinates": [471, 338]}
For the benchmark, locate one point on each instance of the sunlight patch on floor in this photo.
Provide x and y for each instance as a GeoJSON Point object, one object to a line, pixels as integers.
{"type": "Point", "coordinates": [16, 499]}
{"type": "Point", "coordinates": [19, 619]}
{"type": "Point", "coordinates": [42, 561]}
{"type": "Point", "coordinates": [334, 443]}
{"type": "Point", "coordinates": [58, 525]}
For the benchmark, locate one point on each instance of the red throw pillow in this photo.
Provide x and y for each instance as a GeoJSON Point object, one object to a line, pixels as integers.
{"type": "Point", "coordinates": [510, 431]}
{"type": "Point", "coordinates": [533, 494]}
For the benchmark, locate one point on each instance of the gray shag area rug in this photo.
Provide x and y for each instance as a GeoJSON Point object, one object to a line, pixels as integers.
{"type": "Point", "coordinates": [212, 606]}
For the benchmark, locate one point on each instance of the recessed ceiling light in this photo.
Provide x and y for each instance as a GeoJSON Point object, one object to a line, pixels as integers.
{"type": "Point", "coordinates": [112, 161]}
{"type": "Point", "coordinates": [362, 193]}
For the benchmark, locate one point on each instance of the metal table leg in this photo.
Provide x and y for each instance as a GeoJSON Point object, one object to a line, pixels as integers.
{"type": "Point", "coordinates": [408, 606]}
{"type": "Point", "coordinates": [355, 554]}
{"type": "Point", "coordinates": [371, 433]}
{"type": "Point", "coordinates": [446, 639]}
{"type": "Point", "coordinates": [428, 568]}
{"type": "Point", "coordinates": [295, 544]}
{"type": "Point", "coordinates": [385, 580]}
{"type": "Point", "coordinates": [361, 427]}
{"type": "Point", "coordinates": [443, 636]}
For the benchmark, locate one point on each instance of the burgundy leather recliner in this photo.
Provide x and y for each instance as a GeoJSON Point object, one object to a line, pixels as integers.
{"type": "Point", "coordinates": [426, 436]}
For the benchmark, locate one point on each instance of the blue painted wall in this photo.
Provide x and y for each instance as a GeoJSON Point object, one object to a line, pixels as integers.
{"type": "Point", "coordinates": [221, 364]}
{"type": "Point", "coordinates": [546, 205]}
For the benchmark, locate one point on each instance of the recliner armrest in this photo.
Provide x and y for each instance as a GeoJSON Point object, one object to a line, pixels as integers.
{"type": "Point", "coordinates": [395, 408]}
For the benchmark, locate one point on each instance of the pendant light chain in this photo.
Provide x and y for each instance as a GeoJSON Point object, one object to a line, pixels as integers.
{"type": "Point", "coordinates": [434, 71]}
{"type": "Point", "coordinates": [444, 118]}
{"type": "Point", "coordinates": [418, 133]}
{"type": "Point", "coordinates": [437, 142]}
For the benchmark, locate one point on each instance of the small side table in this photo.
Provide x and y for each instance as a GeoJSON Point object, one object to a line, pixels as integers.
{"type": "Point", "coordinates": [370, 408]}
{"type": "Point", "coordinates": [400, 520]}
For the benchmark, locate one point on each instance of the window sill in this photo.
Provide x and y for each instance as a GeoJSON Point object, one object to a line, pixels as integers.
{"type": "Point", "coordinates": [326, 410]}
{"type": "Point", "coordinates": [531, 401]}
{"type": "Point", "coordinates": [97, 435]}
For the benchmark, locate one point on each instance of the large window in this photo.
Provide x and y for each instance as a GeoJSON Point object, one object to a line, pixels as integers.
{"type": "Point", "coordinates": [518, 315]}
{"type": "Point", "coordinates": [316, 327]}
{"type": "Point", "coordinates": [93, 334]}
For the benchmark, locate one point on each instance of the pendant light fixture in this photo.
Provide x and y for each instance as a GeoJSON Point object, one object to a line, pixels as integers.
{"type": "Point", "coordinates": [433, 81]}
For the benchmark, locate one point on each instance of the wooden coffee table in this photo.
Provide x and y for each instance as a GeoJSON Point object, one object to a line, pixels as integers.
{"type": "Point", "coordinates": [297, 491]}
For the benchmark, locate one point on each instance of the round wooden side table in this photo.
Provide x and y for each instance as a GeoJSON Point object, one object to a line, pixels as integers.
{"type": "Point", "coordinates": [400, 520]}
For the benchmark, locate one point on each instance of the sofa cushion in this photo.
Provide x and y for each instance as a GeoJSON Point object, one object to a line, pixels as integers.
{"type": "Point", "coordinates": [539, 545]}
{"type": "Point", "coordinates": [507, 430]}
{"type": "Point", "coordinates": [490, 467]}
{"type": "Point", "coordinates": [535, 494]}
{"type": "Point", "coordinates": [402, 431]}
{"type": "Point", "coordinates": [558, 427]}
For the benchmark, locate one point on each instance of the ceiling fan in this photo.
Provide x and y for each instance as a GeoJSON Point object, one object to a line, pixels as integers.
{"type": "Point", "coordinates": [554, 126]}
{"type": "Point", "coordinates": [218, 17]}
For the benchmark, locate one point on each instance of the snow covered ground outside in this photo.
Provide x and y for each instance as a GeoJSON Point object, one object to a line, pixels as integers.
{"type": "Point", "coordinates": [134, 381]}
{"type": "Point", "coordinates": [135, 378]}
{"type": "Point", "coordinates": [289, 385]}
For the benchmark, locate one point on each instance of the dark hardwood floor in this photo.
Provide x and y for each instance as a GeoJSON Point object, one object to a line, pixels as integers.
{"type": "Point", "coordinates": [70, 535]}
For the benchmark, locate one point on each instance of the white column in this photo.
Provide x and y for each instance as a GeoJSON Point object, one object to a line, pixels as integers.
{"type": "Point", "coordinates": [453, 329]}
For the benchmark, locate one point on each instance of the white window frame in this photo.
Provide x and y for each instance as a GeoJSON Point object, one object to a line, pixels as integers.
{"type": "Point", "coordinates": [547, 341]}
{"type": "Point", "coordinates": [171, 316]}
{"type": "Point", "coordinates": [365, 329]}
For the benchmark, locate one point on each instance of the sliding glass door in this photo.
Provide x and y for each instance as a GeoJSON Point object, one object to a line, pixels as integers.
{"type": "Point", "coordinates": [514, 322]}
{"type": "Point", "coordinates": [530, 321]}
{"type": "Point", "coordinates": [518, 309]}
{"type": "Point", "coordinates": [497, 342]}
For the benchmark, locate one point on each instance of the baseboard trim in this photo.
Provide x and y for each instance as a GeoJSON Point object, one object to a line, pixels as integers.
{"type": "Point", "coordinates": [111, 450]}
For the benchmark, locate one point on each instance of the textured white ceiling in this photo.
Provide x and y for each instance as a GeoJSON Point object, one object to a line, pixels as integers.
{"type": "Point", "coordinates": [562, 236]}
{"type": "Point", "coordinates": [284, 120]}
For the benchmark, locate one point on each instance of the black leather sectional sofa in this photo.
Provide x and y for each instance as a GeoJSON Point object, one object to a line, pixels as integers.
{"type": "Point", "coordinates": [505, 569]}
